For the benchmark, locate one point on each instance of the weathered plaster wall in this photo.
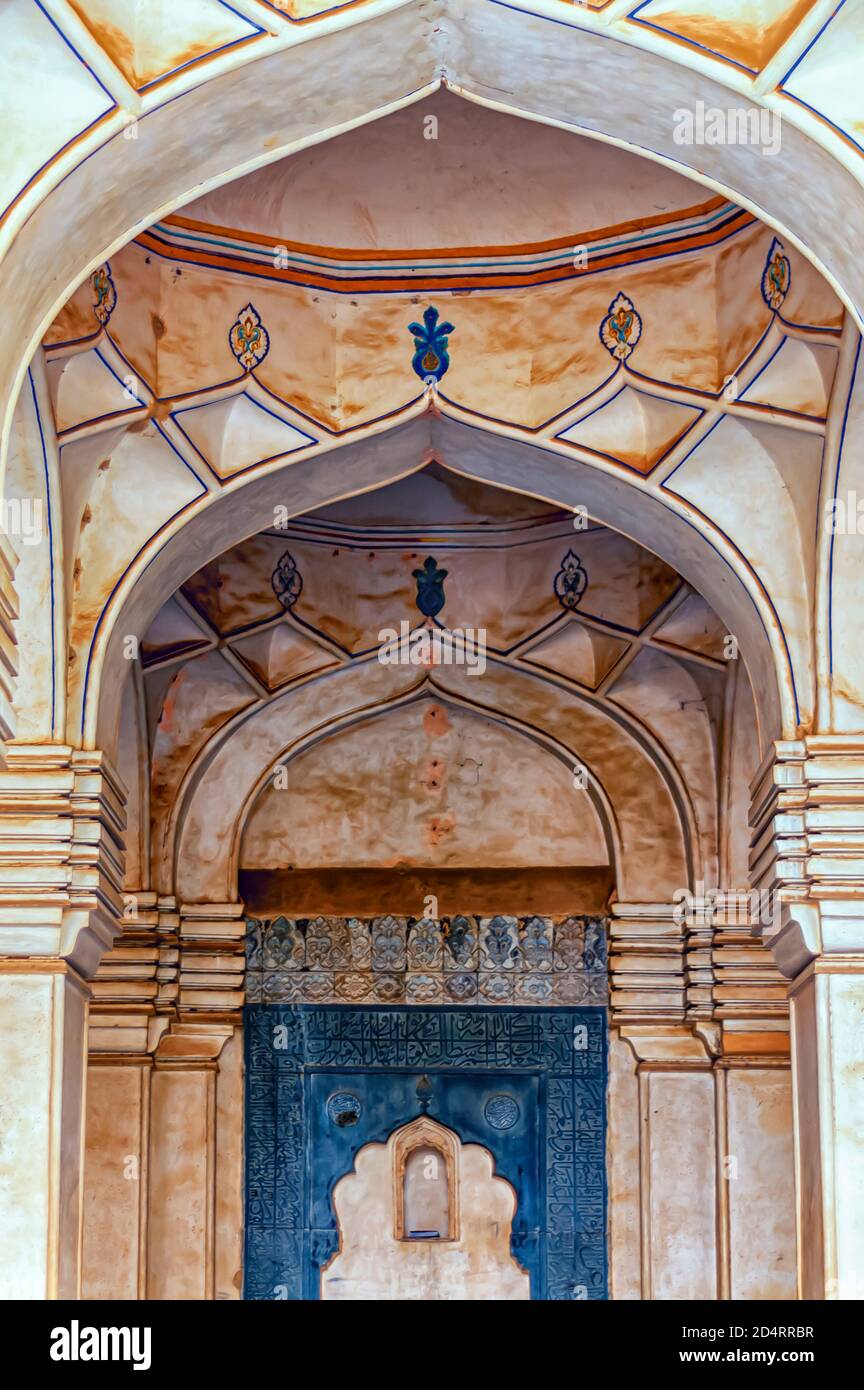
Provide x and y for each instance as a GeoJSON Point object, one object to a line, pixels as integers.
{"type": "Point", "coordinates": [700, 1169]}
{"type": "Point", "coordinates": [426, 785]}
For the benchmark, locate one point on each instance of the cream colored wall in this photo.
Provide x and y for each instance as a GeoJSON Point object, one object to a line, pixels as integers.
{"type": "Point", "coordinates": [43, 1022]}
{"type": "Point", "coordinates": [373, 1265]}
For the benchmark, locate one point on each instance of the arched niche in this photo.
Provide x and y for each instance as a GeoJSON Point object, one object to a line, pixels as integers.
{"type": "Point", "coordinates": [426, 1182]}
{"type": "Point", "coordinates": [642, 804]}
{"type": "Point", "coordinates": [376, 1260]}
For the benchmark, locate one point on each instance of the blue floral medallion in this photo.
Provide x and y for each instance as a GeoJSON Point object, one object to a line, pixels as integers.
{"type": "Point", "coordinates": [430, 588]}
{"type": "Point", "coordinates": [431, 341]}
{"type": "Point", "coordinates": [287, 581]}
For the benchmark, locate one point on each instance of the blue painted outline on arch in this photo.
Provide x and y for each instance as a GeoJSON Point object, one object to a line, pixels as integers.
{"type": "Point", "coordinates": [206, 405]}
{"type": "Point", "coordinates": [256, 31]}
{"type": "Point", "coordinates": [801, 56]}
{"type": "Point", "coordinates": [711, 522]}
{"type": "Point", "coordinates": [846, 415]}
{"type": "Point", "coordinates": [766, 405]}
{"type": "Point", "coordinates": [205, 491]}
{"type": "Point", "coordinates": [529, 444]}
{"type": "Point", "coordinates": [690, 43]}
{"type": "Point", "coordinates": [79, 135]}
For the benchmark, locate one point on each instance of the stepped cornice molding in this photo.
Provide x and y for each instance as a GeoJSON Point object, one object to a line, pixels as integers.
{"type": "Point", "coordinates": [807, 843]}
{"type": "Point", "coordinates": [62, 820]}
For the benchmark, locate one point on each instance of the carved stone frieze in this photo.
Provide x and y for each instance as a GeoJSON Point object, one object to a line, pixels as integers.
{"type": "Point", "coordinates": [459, 960]}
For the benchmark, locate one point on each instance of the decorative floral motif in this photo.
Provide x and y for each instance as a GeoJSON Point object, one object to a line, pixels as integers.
{"type": "Point", "coordinates": [281, 986]}
{"type": "Point", "coordinates": [343, 1109]}
{"type": "Point", "coordinates": [499, 942]}
{"type": "Point", "coordinates": [621, 329]}
{"type": "Point", "coordinates": [353, 986]}
{"type": "Point", "coordinates": [389, 988]}
{"type": "Point", "coordinates": [317, 987]}
{"type": "Point", "coordinates": [596, 986]}
{"type": "Point", "coordinates": [501, 1111]}
{"type": "Point", "coordinates": [287, 581]}
{"type": "Point", "coordinates": [595, 944]}
{"type": "Point", "coordinates": [424, 945]}
{"type": "Point", "coordinates": [777, 276]}
{"type": "Point", "coordinates": [430, 588]}
{"type": "Point", "coordinates": [284, 947]}
{"type": "Point", "coordinates": [570, 989]}
{"type": "Point", "coordinates": [424, 989]}
{"type": "Point", "coordinates": [461, 987]}
{"type": "Point", "coordinates": [536, 944]}
{"type": "Point", "coordinates": [388, 944]}
{"type": "Point", "coordinates": [461, 940]}
{"type": "Point", "coordinates": [498, 989]}
{"type": "Point", "coordinates": [104, 293]}
{"type": "Point", "coordinates": [361, 944]}
{"type": "Point", "coordinates": [254, 944]}
{"type": "Point", "coordinates": [249, 339]}
{"type": "Point", "coordinates": [431, 341]}
{"type": "Point", "coordinates": [571, 581]}
{"type": "Point", "coordinates": [328, 945]}
{"type": "Point", "coordinates": [569, 944]}
{"type": "Point", "coordinates": [535, 988]}
{"type": "Point", "coordinates": [528, 960]}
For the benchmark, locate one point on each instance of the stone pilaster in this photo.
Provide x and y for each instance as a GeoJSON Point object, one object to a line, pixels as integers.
{"type": "Point", "coordinates": [700, 1002]}
{"type": "Point", "coordinates": [807, 853]}
{"type": "Point", "coordinates": [61, 864]}
{"type": "Point", "coordinates": [165, 1103]}
{"type": "Point", "coordinates": [677, 1160]}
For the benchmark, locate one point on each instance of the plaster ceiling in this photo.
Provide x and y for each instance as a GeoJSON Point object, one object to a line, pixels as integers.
{"type": "Point", "coordinates": [446, 173]}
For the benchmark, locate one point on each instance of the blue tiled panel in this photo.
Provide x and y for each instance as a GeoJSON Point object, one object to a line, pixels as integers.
{"type": "Point", "coordinates": [298, 1056]}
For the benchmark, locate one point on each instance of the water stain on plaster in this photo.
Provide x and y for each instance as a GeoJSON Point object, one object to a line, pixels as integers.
{"type": "Point", "coordinates": [435, 773]}
{"type": "Point", "coordinates": [439, 828]}
{"type": "Point", "coordinates": [436, 722]}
